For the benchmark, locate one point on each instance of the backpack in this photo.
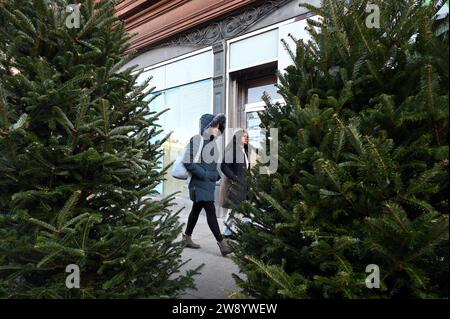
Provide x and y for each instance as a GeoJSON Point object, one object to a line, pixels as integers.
{"type": "Point", "coordinates": [179, 171]}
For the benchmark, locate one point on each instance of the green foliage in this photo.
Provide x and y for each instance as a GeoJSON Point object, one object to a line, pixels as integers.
{"type": "Point", "coordinates": [79, 161]}
{"type": "Point", "coordinates": [363, 169]}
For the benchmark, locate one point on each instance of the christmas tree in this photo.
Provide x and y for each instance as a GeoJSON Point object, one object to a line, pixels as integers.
{"type": "Point", "coordinates": [362, 183]}
{"type": "Point", "coordinates": [79, 154]}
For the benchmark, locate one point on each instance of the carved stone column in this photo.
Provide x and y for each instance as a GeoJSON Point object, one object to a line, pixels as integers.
{"type": "Point", "coordinates": [219, 88]}
{"type": "Point", "coordinates": [219, 91]}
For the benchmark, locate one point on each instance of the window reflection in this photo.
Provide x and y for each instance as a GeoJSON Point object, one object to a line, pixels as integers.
{"type": "Point", "coordinates": [255, 136]}
{"type": "Point", "coordinates": [187, 104]}
{"type": "Point", "coordinates": [256, 89]}
{"type": "Point", "coordinates": [255, 94]}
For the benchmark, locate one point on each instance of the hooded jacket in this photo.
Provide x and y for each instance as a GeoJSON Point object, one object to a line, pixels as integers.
{"type": "Point", "coordinates": [204, 173]}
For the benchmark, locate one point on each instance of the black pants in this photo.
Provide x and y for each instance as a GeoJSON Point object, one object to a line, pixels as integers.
{"type": "Point", "coordinates": [210, 210]}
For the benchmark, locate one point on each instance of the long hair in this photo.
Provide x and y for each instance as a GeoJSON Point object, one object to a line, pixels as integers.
{"type": "Point", "coordinates": [235, 145]}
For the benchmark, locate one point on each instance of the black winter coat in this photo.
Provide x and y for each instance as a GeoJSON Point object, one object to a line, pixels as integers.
{"type": "Point", "coordinates": [204, 173]}
{"type": "Point", "coordinates": [234, 187]}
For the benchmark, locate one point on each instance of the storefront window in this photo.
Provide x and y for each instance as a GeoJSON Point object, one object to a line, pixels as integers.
{"type": "Point", "coordinates": [187, 104]}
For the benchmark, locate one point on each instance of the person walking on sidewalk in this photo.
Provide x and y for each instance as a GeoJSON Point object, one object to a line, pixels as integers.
{"type": "Point", "coordinates": [204, 175]}
{"type": "Point", "coordinates": [235, 166]}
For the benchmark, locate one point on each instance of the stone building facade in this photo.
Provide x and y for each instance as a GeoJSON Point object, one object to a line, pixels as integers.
{"type": "Point", "coordinates": [210, 56]}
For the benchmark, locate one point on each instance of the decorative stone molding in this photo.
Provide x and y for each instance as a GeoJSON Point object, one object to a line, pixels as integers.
{"type": "Point", "coordinates": [154, 21]}
{"type": "Point", "coordinates": [229, 27]}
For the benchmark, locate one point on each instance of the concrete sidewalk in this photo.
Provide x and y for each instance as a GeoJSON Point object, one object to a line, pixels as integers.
{"type": "Point", "coordinates": [215, 280]}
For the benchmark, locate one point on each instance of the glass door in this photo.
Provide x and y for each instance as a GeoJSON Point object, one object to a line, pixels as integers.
{"type": "Point", "coordinates": [254, 91]}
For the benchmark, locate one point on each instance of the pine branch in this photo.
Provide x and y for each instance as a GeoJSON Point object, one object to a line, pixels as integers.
{"type": "Point", "coordinates": [67, 210]}
{"type": "Point", "coordinates": [3, 110]}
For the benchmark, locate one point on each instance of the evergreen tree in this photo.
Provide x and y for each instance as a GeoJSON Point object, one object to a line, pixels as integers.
{"type": "Point", "coordinates": [78, 160]}
{"type": "Point", "coordinates": [363, 161]}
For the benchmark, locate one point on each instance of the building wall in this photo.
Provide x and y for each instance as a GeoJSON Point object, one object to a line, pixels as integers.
{"type": "Point", "coordinates": [153, 21]}
{"type": "Point", "coordinates": [172, 48]}
{"type": "Point", "coordinates": [218, 65]}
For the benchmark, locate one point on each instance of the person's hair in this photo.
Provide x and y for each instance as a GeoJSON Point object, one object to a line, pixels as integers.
{"type": "Point", "coordinates": [237, 142]}
{"type": "Point", "coordinates": [219, 126]}
{"type": "Point", "coordinates": [219, 122]}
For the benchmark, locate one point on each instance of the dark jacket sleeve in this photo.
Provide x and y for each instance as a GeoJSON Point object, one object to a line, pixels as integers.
{"type": "Point", "coordinates": [228, 171]}
{"type": "Point", "coordinates": [194, 168]}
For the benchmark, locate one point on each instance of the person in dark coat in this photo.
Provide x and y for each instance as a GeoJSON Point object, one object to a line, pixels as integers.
{"type": "Point", "coordinates": [235, 166]}
{"type": "Point", "coordinates": [204, 175]}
